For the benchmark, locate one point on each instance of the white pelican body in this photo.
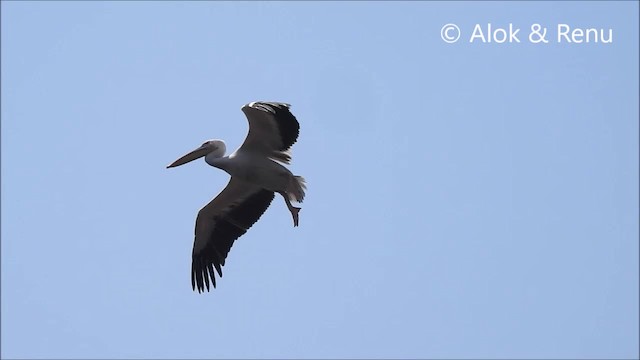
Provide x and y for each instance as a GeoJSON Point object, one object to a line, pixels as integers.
{"type": "Point", "coordinates": [253, 168]}
{"type": "Point", "coordinates": [255, 177]}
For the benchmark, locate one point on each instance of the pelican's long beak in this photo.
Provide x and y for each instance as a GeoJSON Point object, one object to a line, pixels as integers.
{"type": "Point", "coordinates": [195, 154]}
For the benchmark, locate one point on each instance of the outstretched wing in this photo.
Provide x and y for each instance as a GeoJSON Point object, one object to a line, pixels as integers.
{"type": "Point", "coordinates": [223, 220]}
{"type": "Point", "coordinates": [272, 129]}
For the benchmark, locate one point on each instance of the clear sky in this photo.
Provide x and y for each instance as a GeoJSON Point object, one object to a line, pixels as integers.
{"type": "Point", "coordinates": [465, 200]}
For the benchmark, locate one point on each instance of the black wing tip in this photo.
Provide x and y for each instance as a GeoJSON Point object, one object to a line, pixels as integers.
{"type": "Point", "coordinates": [201, 273]}
{"type": "Point", "coordinates": [288, 125]}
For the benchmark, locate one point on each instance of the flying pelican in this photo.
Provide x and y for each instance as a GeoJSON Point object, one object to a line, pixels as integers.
{"type": "Point", "coordinates": [256, 175]}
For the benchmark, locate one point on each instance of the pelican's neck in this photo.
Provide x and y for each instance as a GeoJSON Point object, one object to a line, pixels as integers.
{"type": "Point", "coordinates": [215, 160]}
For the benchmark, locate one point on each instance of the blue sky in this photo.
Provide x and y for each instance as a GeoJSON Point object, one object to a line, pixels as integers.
{"type": "Point", "coordinates": [465, 200]}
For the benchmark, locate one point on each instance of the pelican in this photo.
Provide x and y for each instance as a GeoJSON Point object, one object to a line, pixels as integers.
{"type": "Point", "coordinates": [256, 175]}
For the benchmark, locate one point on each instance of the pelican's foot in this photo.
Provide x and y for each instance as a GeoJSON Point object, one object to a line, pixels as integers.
{"type": "Point", "coordinates": [294, 212]}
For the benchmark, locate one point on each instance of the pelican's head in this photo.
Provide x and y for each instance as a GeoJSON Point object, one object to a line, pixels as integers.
{"type": "Point", "coordinates": [210, 148]}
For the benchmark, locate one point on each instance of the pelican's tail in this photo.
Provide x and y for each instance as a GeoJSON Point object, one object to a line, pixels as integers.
{"type": "Point", "coordinates": [296, 189]}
